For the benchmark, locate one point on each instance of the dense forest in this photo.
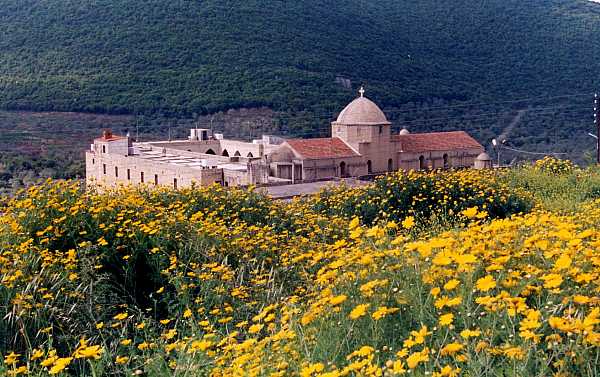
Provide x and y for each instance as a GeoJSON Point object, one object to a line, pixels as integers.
{"type": "Point", "coordinates": [203, 56]}
{"type": "Point", "coordinates": [526, 66]}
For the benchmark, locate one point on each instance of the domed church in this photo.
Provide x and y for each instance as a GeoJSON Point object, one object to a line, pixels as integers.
{"type": "Point", "coordinates": [362, 143]}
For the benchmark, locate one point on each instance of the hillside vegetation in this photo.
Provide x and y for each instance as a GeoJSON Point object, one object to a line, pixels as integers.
{"type": "Point", "coordinates": [203, 56]}
{"type": "Point", "coordinates": [483, 280]}
{"type": "Point", "coordinates": [304, 61]}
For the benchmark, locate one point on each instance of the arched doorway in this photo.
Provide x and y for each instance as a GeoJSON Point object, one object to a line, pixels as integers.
{"type": "Point", "coordinates": [250, 154]}
{"type": "Point", "coordinates": [237, 154]}
{"type": "Point", "coordinates": [210, 151]}
{"type": "Point", "coordinates": [421, 162]}
{"type": "Point", "coordinates": [225, 153]}
{"type": "Point", "coordinates": [342, 169]}
{"type": "Point", "coordinates": [390, 165]}
{"type": "Point", "coordinates": [446, 163]}
{"type": "Point", "coordinates": [369, 167]}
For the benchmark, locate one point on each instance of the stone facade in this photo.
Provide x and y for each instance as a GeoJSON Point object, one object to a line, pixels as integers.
{"type": "Point", "coordinates": [361, 144]}
{"type": "Point", "coordinates": [371, 148]}
{"type": "Point", "coordinates": [114, 160]}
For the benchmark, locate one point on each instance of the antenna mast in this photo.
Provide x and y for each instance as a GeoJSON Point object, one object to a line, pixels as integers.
{"type": "Point", "coordinates": [597, 124]}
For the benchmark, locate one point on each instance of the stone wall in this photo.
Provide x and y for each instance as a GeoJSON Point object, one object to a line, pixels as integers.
{"type": "Point", "coordinates": [196, 146]}
{"type": "Point", "coordinates": [435, 160]}
{"type": "Point", "coordinates": [111, 170]}
{"type": "Point", "coordinates": [241, 148]}
{"type": "Point", "coordinates": [314, 170]}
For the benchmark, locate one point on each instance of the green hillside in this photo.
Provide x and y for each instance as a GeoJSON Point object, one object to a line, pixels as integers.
{"type": "Point", "coordinates": [202, 56]}
{"type": "Point", "coordinates": [180, 58]}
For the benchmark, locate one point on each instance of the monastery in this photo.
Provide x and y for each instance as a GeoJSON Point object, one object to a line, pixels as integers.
{"type": "Point", "coordinates": [361, 144]}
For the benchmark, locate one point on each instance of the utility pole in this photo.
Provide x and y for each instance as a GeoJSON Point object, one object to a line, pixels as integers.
{"type": "Point", "coordinates": [597, 124]}
{"type": "Point", "coordinates": [137, 128]}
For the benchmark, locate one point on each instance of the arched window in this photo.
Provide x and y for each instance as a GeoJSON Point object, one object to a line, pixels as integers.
{"type": "Point", "coordinates": [250, 154]}
{"type": "Point", "coordinates": [421, 163]}
{"type": "Point", "coordinates": [210, 151]}
{"type": "Point", "coordinates": [237, 154]}
{"type": "Point", "coordinates": [369, 167]}
{"type": "Point", "coordinates": [342, 169]}
{"type": "Point", "coordinates": [446, 163]}
{"type": "Point", "coordinates": [225, 153]}
{"type": "Point", "coordinates": [390, 165]}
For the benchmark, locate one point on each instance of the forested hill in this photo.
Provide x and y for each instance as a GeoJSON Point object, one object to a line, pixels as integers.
{"type": "Point", "coordinates": [184, 57]}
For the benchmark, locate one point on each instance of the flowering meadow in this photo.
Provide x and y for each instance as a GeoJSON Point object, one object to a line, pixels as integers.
{"type": "Point", "coordinates": [471, 275]}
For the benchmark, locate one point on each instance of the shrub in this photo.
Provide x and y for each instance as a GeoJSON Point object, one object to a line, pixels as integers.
{"type": "Point", "coordinates": [424, 195]}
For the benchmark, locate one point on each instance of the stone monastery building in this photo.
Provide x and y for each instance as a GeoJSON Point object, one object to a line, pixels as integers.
{"type": "Point", "coordinates": [361, 143]}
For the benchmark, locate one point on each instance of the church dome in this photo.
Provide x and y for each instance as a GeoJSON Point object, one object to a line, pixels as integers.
{"type": "Point", "coordinates": [362, 111]}
{"type": "Point", "coordinates": [484, 157]}
{"type": "Point", "coordinates": [404, 131]}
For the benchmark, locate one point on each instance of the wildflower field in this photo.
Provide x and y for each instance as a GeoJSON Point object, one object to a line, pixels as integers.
{"type": "Point", "coordinates": [459, 273]}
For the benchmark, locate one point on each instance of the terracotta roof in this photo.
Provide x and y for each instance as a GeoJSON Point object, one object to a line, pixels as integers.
{"type": "Point", "coordinates": [321, 148]}
{"type": "Point", "coordinates": [436, 141]}
{"type": "Point", "coordinates": [111, 138]}
{"type": "Point", "coordinates": [107, 135]}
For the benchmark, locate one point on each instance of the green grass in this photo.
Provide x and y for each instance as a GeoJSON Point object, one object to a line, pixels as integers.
{"type": "Point", "coordinates": [563, 193]}
{"type": "Point", "coordinates": [199, 57]}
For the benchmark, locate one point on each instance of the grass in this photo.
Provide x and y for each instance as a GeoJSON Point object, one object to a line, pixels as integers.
{"type": "Point", "coordinates": [214, 281]}
{"type": "Point", "coordinates": [565, 192]}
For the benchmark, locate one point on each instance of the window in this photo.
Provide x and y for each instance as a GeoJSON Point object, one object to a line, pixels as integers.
{"type": "Point", "coordinates": [225, 153]}
{"type": "Point", "coordinates": [128, 174]}
{"type": "Point", "coordinates": [446, 163]}
{"type": "Point", "coordinates": [116, 171]}
{"type": "Point", "coordinates": [369, 167]}
{"type": "Point", "coordinates": [380, 130]}
{"type": "Point", "coordinates": [142, 177]}
{"type": "Point", "coordinates": [421, 163]}
{"type": "Point", "coordinates": [104, 168]}
{"type": "Point", "coordinates": [93, 161]}
{"type": "Point", "coordinates": [156, 179]}
{"type": "Point", "coordinates": [104, 149]}
{"type": "Point", "coordinates": [175, 183]}
{"type": "Point", "coordinates": [390, 165]}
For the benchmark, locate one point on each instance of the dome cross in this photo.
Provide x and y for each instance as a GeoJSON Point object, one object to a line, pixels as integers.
{"type": "Point", "coordinates": [362, 91]}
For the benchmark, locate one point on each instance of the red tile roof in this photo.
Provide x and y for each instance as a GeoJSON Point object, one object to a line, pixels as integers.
{"type": "Point", "coordinates": [111, 138]}
{"type": "Point", "coordinates": [321, 148]}
{"type": "Point", "coordinates": [107, 135]}
{"type": "Point", "coordinates": [436, 141]}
